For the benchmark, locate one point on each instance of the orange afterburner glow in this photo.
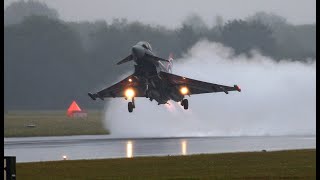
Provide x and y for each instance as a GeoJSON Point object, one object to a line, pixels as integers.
{"type": "Point", "coordinates": [129, 93]}
{"type": "Point", "coordinates": [184, 90]}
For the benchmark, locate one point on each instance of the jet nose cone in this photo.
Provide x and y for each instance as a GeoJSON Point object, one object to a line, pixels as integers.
{"type": "Point", "coordinates": [135, 49]}
{"type": "Point", "coordinates": [138, 51]}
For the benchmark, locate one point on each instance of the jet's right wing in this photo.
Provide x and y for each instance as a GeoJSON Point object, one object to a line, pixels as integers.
{"type": "Point", "coordinates": [118, 89]}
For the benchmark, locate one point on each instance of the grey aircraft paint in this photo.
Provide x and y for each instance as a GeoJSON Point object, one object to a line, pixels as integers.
{"type": "Point", "coordinates": [153, 79]}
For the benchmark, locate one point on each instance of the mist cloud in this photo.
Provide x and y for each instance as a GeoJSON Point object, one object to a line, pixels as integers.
{"type": "Point", "coordinates": [277, 98]}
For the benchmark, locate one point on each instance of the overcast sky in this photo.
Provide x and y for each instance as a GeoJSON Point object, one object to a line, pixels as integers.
{"type": "Point", "coordinates": [171, 12]}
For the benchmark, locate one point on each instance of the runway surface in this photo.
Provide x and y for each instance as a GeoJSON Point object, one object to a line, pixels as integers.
{"type": "Point", "coordinates": [104, 146]}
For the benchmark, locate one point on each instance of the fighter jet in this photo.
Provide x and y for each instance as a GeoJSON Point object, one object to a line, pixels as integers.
{"type": "Point", "coordinates": [153, 79]}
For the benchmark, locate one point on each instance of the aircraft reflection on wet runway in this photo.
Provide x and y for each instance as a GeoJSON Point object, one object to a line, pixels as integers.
{"type": "Point", "coordinates": [130, 147]}
{"type": "Point", "coordinates": [100, 147]}
{"type": "Point", "coordinates": [183, 147]}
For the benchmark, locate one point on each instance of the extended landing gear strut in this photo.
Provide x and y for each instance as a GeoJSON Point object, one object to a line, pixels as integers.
{"type": "Point", "coordinates": [131, 105]}
{"type": "Point", "coordinates": [185, 103]}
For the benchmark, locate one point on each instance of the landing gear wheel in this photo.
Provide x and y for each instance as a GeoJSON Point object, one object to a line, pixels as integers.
{"type": "Point", "coordinates": [185, 103]}
{"type": "Point", "coordinates": [130, 107]}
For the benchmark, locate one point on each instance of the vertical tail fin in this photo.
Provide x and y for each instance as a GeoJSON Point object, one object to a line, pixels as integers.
{"type": "Point", "coordinates": [170, 64]}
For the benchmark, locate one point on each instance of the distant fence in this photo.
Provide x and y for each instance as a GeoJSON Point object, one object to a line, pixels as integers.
{"type": "Point", "coordinates": [9, 167]}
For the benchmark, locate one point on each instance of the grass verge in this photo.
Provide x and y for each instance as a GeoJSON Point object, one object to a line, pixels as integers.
{"type": "Point", "coordinates": [51, 123]}
{"type": "Point", "coordinates": [291, 164]}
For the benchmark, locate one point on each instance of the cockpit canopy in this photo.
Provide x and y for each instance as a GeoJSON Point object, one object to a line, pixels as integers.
{"type": "Point", "coordinates": [145, 45]}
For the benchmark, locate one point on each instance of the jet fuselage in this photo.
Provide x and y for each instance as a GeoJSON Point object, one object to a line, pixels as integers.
{"type": "Point", "coordinates": [146, 69]}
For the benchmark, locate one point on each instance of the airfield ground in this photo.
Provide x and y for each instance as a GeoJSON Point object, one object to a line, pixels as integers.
{"type": "Point", "coordinates": [51, 123]}
{"type": "Point", "coordinates": [292, 164]}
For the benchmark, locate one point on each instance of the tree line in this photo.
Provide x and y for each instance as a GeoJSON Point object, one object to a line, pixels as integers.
{"type": "Point", "coordinates": [49, 62]}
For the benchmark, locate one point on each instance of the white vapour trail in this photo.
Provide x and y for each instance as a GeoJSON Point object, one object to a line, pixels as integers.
{"type": "Point", "coordinates": [277, 98]}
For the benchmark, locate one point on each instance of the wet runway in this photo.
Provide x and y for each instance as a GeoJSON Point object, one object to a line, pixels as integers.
{"type": "Point", "coordinates": [103, 146]}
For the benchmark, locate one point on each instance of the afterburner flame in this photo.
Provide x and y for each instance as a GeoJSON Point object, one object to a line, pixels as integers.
{"type": "Point", "coordinates": [170, 107]}
{"type": "Point", "coordinates": [184, 90]}
{"type": "Point", "coordinates": [129, 93]}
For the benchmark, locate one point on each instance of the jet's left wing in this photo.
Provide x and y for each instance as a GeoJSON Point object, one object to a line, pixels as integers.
{"type": "Point", "coordinates": [195, 86]}
{"type": "Point", "coordinates": [118, 89]}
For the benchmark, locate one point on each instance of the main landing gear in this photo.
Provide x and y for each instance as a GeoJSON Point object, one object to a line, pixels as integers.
{"type": "Point", "coordinates": [185, 103]}
{"type": "Point", "coordinates": [131, 105]}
